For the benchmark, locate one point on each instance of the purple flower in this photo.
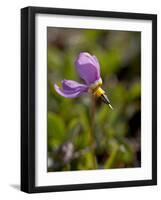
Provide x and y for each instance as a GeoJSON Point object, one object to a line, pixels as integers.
{"type": "Point", "coordinates": [88, 69]}
{"type": "Point", "coordinates": [71, 89]}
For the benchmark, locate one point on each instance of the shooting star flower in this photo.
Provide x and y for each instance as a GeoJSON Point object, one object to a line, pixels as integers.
{"type": "Point", "coordinates": [88, 69]}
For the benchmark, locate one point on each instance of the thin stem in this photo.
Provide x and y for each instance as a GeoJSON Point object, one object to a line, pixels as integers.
{"type": "Point", "coordinates": [92, 136]}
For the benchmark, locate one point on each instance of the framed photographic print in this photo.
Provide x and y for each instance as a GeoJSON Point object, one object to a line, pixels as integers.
{"type": "Point", "coordinates": [88, 99]}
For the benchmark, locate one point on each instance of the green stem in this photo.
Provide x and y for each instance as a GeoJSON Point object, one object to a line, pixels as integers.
{"type": "Point", "coordinates": [92, 136]}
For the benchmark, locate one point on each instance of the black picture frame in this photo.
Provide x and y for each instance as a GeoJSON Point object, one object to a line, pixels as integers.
{"type": "Point", "coordinates": [28, 98]}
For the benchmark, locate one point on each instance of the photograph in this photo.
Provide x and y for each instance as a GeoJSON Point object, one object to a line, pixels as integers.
{"type": "Point", "coordinates": [89, 88]}
{"type": "Point", "coordinates": [93, 99]}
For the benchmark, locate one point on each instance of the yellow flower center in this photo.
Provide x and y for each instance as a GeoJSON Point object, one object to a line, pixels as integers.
{"type": "Point", "coordinates": [98, 92]}
{"type": "Point", "coordinates": [95, 88]}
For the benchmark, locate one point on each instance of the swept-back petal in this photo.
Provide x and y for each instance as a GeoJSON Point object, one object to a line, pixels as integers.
{"type": "Point", "coordinates": [73, 85]}
{"type": "Point", "coordinates": [71, 89]}
{"type": "Point", "coordinates": [87, 67]}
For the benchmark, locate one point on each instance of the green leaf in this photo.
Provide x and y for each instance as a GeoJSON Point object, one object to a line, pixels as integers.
{"type": "Point", "coordinates": [56, 129]}
{"type": "Point", "coordinates": [112, 158]}
{"type": "Point", "coordinates": [135, 90]}
{"type": "Point", "coordinates": [86, 162]}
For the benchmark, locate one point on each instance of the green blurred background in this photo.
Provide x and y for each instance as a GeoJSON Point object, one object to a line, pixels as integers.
{"type": "Point", "coordinates": [116, 132]}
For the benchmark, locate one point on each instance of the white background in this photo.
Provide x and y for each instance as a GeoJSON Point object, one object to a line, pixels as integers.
{"type": "Point", "coordinates": [93, 176]}
{"type": "Point", "coordinates": [10, 100]}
